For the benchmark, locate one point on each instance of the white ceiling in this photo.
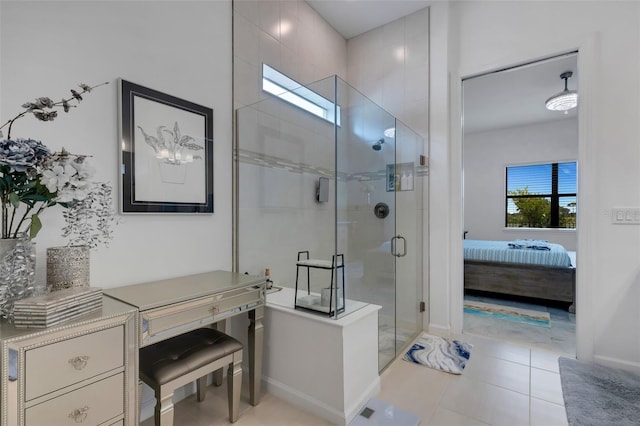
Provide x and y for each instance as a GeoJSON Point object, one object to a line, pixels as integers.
{"type": "Point", "coordinates": [503, 99]}
{"type": "Point", "coordinates": [516, 97]}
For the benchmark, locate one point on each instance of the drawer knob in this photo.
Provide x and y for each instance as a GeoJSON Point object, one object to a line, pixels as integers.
{"type": "Point", "coordinates": [214, 309]}
{"type": "Point", "coordinates": [79, 415]}
{"type": "Point", "coordinates": [79, 362]}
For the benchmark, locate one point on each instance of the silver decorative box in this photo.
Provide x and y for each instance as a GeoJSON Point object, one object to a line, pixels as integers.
{"type": "Point", "coordinates": [53, 308]}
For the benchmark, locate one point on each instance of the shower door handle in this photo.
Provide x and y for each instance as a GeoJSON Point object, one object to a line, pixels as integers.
{"type": "Point", "coordinates": [393, 246]}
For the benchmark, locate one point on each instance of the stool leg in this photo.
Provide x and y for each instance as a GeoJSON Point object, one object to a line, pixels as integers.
{"type": "Point", "coordinates": [234, 385]}
{"type": "Point", "coordinates": [164, 410]}
{"type": "Point", "coordinates": [217, 376]}
{"type": "Point", "coordinates": [201, 387]}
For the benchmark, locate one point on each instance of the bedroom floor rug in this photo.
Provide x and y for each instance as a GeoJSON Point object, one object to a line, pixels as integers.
{"type": "Point", "coordinates": [439, 353]}
{"type": "Point", "coordinates": [509, 313]}
{"type": "Point", "coordinates": [595, 395]}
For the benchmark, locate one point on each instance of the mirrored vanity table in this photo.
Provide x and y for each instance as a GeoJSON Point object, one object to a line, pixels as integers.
{"type": "Point", "coordinates": [173, 306]}
{"type": "Point", "coordinates": [85, 371]}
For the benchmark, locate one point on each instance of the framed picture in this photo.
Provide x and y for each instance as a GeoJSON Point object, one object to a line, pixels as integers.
{"type": "Point", "coordinates": [166, 152]}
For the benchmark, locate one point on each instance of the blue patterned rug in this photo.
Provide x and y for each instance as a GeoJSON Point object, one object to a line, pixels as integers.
{"type": "Point", "coordinates": [439, 353]}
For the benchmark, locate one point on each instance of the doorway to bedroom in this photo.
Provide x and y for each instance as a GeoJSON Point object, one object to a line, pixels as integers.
{"type": "Point", "coordinates": [519, 198]}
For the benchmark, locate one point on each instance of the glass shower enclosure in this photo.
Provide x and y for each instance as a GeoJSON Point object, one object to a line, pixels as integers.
{"type": "Point", "coordinates": [343, 182]}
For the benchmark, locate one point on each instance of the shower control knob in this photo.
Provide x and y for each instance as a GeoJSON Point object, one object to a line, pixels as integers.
{"type": "Point", "coordinates": [381, 210]}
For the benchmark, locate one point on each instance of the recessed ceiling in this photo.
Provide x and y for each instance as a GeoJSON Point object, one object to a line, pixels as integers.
{"type": "Point", "coordinates": [354, 17]}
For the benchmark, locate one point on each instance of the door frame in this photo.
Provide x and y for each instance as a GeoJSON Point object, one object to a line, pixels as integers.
{"type": "Point", "coordinates": [586, 218]}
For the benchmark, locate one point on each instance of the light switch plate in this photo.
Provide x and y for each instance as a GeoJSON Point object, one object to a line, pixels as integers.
{"type": "Point", "coordinates": [625, 215]}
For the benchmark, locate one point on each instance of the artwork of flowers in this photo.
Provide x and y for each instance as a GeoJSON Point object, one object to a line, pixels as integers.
{"type": "Point", "coordinates": [174, 149]}
{"type": "Point", "coordinates": [166, 152]}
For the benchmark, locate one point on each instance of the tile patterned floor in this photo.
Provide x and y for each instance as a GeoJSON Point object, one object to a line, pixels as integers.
{"type": "Point", "coordinates": [503, 384]}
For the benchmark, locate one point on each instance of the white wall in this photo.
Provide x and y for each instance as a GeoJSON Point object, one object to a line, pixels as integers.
{"type": "Point", "coordinates": [485, 156]}
{"type": "Point", "coordinates": [496, 34]}
{"type": "Point", "coordinates": [178, 47]}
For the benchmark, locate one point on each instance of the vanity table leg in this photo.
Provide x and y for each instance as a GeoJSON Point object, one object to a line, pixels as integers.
{"type": "Point", "coordinates": [256, 337]}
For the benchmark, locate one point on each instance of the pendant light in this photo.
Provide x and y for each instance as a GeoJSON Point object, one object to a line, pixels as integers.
{"type": "Point", "coordinates": [565, 100]}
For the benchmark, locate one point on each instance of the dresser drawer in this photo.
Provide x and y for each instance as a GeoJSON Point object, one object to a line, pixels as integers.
{"type": "Point", "coordinates": [91, 405]}
{"type": "Point", "coordinates": [200, 311]}
{"type": "Point", "coordinates": [64, 363]}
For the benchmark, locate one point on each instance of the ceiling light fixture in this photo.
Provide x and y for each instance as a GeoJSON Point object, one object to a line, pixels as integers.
{"type": "Point", "coordinates": [565, 100]}
{"type": "Point", "coordinates": [390, 132]}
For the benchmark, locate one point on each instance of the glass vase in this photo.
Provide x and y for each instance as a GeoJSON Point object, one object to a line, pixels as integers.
{"type": "Point", "coordinates": [17, 273]}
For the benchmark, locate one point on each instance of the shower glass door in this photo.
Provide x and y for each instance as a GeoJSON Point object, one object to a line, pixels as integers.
{"type": "Point", "coordinates": [373, 212]}
{"type": "Point", "coordinates": [379, 216]}
{"type": "Point", "coordinates": [410, 213]}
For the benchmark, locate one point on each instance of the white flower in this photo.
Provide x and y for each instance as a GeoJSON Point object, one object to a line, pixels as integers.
{"type": "Point", "coordinates": [65, 195]}
{"type": "Point", "coordinates": [57, 177]}
{"type": "Point", "coordinates": [68, 194]}
{"type": "Point", "coordinates": [84, 168]}
{"type": "Point", "coordinates": [76, 181]}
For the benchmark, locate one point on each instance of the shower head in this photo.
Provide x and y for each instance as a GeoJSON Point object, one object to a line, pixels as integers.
{"type": "Point", "coordinates": [377, 146]}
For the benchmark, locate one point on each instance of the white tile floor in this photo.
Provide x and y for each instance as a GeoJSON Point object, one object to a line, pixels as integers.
{"type": "Point", "coordinates": [503, 384]}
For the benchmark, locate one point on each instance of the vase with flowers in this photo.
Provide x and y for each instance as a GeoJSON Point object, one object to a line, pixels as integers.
{"type": "Point", "coordinates": [34, 178]}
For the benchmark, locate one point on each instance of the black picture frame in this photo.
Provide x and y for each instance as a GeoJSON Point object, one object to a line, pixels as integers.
{"type": "Point", "coordinates": [166, 152]}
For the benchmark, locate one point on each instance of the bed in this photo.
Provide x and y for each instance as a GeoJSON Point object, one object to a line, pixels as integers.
{"type": "Point", "coordinates": [526, 268]}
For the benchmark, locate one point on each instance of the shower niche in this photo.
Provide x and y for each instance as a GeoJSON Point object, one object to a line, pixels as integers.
{"type": "Point", "coordinates": [364, 157]}
{"type": "Point", "coordinates": [400, 177]}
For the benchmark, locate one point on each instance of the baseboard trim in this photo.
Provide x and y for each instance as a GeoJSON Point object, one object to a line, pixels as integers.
{"type": "Point", "coordinates": [370, 392]}
{"type": "Point", "coordinates": [319, 408]}
{"type": "Point", "coordinates": [439, 330]}
{"type": "Point", "coordinates": [617, 363]}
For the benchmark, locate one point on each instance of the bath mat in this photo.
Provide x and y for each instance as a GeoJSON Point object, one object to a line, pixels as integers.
{"type": "Point", "coordinates": [509, 313]}
{"type": "Point", "coordinates": [439, 353]}
{"type": "Point", "coordinates": [595, 395]}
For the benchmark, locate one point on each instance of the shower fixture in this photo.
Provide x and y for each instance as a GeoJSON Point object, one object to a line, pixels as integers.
{"type": "Point", "coordinates": [377, 146]}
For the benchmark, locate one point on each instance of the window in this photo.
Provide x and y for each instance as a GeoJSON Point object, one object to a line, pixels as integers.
{"type": "Point", "coordinates": [289, 90]}
{"type": "Point", "coordinates": [541, 196]}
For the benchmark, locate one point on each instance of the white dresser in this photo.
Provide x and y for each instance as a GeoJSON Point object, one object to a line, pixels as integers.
{"type": "Point", "coordinates": [83, 372]}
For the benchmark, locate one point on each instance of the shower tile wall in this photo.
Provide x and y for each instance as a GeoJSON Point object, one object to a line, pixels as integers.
{"type": "Point", "coordinates": [289, 150]}
{"type": "Point", "coordinates": [390, 65]}
{"type": "Point", "coordinates": [281, 157]}
{"type": "Point", "coordinates": [289, 36]}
